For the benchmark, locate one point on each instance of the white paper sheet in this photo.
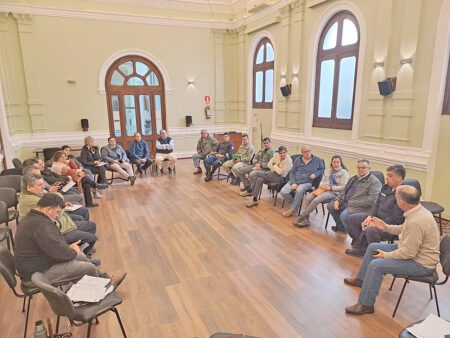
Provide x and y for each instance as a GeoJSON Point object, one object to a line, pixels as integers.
{"type": "Point", "coordinates": [68, 186]}
{"type": "Point", "coordinates": [432, 327]}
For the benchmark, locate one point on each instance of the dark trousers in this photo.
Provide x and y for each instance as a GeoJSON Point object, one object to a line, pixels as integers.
{"type": "Point", "coordinates": [83, 212]}
{"type": "Point", "coordinates": [142, 167]}
{"type": "Point", "coordinates": [85, 232]}
{"type": "Point", "coordinates": [101, 172]}
{"type": "Point", "coordinates": [336, 214]}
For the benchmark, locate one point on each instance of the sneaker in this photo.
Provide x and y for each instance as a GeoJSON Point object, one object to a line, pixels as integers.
{"type": "Point", "coordinates": [244, 188]}
{"type": "Point", "coordinates": [115, 282]}
{"type": "Point", "coordinates": [208, 178]}
{"type": "Point", "coordinates": [132, 180]}
{"type": "Point", "coordinates": [95, 261]}
{"type": "Point", "coordinates": [102, 185]}
{"type": "Point", "coordinates": [97, 194]}
{"type": "Point", "coordinates": [92, 205]}
{"type": "Point", "coordinates": [245, 193]}
{"type": "Point", "coordinates": [288, 213]}
{"type": "Point", "coordinates": [251, 204]}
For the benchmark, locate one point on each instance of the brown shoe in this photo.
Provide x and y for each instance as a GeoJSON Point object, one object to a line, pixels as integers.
{"type": "Point", "coordinates": [288, 213]}
{"type": "Point", "coordinates": [353, 282]}
{"type": "Point", "coordinates": [132, 180]}
{"type": "Point", "coordinates": [359, 309]}
{"type": "Point", "coordinates": [251, 204]}
{"type": "Point", "coordinates": [357, 252]}
{"type": "Point", "coordinates": [115, 282]}
{"type": "Point", "coordinates": [197, 171]}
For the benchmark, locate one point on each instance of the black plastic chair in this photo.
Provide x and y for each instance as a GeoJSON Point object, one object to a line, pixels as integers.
{"type": "Point", "coordinates": [380, 176]}
{"type": "Point", "coordinates": [78, 316]}
{"type": "Point", "coordinates": [8, 271]}
{"type": "Point", "coordinates": [11, 181]}
{"type": "Point", "coordinates": [12, 171]}
{"type": "Point", "coordinates": [49, 152]}
{"type": "Point", "coordinates": [5, 232]}
{"type": "Point", "coordinates": [9, 196]}
{"type": "Point", "coordinates": [17, 163]}
{"type": "Point", "coordinates": [431, 280]}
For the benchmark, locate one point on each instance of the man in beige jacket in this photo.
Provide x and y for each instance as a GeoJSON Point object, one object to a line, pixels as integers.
{"type": "Point", "coordinates": [416, 254]}
{"type": "Point", "coordinates": [279, 165]}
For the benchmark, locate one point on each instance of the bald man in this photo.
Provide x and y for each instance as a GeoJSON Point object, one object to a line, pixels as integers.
{"type": "Point", "coordinates": [164, 151]}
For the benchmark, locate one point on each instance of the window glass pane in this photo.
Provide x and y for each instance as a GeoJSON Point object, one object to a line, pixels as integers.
{"type": "Point", "coordinates": [345, 89]}
{"type": "Point", "coordinates": [152, 79]}
{"type": "Point", "coordinates": [330, 39]}
{"type": "Point", "coordinates": [116, 115]}
{"type": "Point", "coordinates": [326, 88]}
{"type": "Point", "coordinates": [146, 116]}
{"type": "Point", "coordinates": [258, 86]}
{"type": "Point", "coordinates": [117, 79]}
{"type": "Point", "coordinates": [260, 55]}
{"type": "Point", "coordinates": [135, 81]}
{"type": "Point", "coordinates": [130, 114]}
{"type": "Point", "coordinates": [349, 33]}
{"type": "Point", "coordinates": [269, 53]}
{"type": "Point", "coordinates": [127, 68]}
{"type": "Point", "coordinates": [158, 113]}
{"type": "Point", "coordinates": [141, 68]}
{"type": "Point", "coordinates": [269, 86]}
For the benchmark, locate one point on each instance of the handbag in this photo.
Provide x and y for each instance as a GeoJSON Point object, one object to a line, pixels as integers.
{"type": "Point", "coordinates": [318, 191]}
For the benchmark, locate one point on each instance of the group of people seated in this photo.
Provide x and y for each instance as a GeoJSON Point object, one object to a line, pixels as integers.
{"type": "Point", "coordinates": [362, 206]}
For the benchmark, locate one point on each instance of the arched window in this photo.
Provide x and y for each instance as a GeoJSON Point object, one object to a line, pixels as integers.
{"type": "Point", "coordinates": [136, 103]}
{"type": "Point", "coordinates": [337, 61]}
{"type": "Point", "coordinates": [263, 64]}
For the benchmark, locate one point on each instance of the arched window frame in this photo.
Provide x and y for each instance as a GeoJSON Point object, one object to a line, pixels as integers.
{"type": "Point", "coordinates": [264, 67]}
{"type": "Point", "coordinates": [336, 54]}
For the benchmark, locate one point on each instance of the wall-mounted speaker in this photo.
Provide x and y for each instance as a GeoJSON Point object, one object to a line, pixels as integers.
{"type": "Point", "coordinates": [85, 124]}
{"type": "Point", "coordinates": [286, 90]}
{"type": "Point", "coordinates": [387, 86]}
{"type": "Point", "coordinates": [188, 120]}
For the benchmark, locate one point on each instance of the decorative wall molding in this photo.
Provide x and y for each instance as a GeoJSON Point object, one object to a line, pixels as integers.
{"type": "Point", "coordinates": [414, 158]}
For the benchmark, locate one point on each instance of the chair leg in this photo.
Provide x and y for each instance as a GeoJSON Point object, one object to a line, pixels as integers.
{"type": "Point", "coordinates": [276, 198]}
{"type": "Point", "coordinates": [259, 195]}
{"type": "Point", "coordinates": [23, 305]}
{"type": "Point", "coordinates": [57, 323]}
{"type": "Point", "coordinates": [392, 284]}
{"type": "Point", "coordinates": [26, 317]}
{"type": "Point", "coordinates": [282, 204]}
{"type": "Point", "coordinates": [326, 223]}
{"type": "Point", "coordinates": [323, 209]}
{"type": "Point", "coordinates": [436, 299]}
{"type": "Point", "coordinates": [431, 293]}
{"type": "Point", "coordinates": [440, 223]}
{"type": "Point", "coordinates": [399, 298]}
{"type": "Point", "coordinates": [120, 322]}
{"type": "Point", "coordinates": [89, 329]}
{"type": "Point", "coordinates": [96, 321]}
{"type": "Point", "coordinates": [11, 238]}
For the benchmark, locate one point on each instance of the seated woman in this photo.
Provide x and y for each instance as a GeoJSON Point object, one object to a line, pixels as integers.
{"type": "Point", "coordinates": [64, 167]}
{"type": "Point", "coordinates": [333, 182]}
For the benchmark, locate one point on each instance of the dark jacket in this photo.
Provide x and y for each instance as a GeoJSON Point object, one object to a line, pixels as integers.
{"type": "Point", "coordinates": [386, 207]}
{"type": "Point", "coordinates": [224, 148]}
{"type": "Point", "coordinates": [300, 171]}
{"type": "Point", "coordinates": [51, 178]}
{"type": "Point", "coordinates": [110, 154]}
{"type": "Point", "coordinates": [87, 157]}
{"type": "Point", "coordinates": [365, 195]}
{"type": "Point", "coordinates": [39, 245]}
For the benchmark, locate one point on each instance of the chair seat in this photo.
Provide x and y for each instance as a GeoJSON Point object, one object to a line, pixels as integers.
{"type": "Point", "coordinates": [432, 207]}
{"type": "Point", "coordinates": [29, 290]}
{"type": "Point", "coordinates": [12, 214]}
{"type": "Point", "coordinates": [85, 313]}
{"type": "Point", "coordinates": [431, 279]}
{"type": "Point", "coordinates": [3, 234]}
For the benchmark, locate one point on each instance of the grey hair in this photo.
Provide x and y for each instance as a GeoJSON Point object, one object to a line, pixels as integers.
{"type": "Point", "coordinates": [409, 194]}
{"type": "Point", "coordinates": [87, 138]}
{"type": "Point", "coordinates": [29, 181]}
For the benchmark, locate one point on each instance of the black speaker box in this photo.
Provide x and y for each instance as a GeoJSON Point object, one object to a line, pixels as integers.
{"type": "Point", "coordinates": [188, 120]}
{"type": "Point", "coordinates": [85, 124]}
{"type": "Point", "coordinates": [286, 90]}
{"type": "Point", "coordinates": [387, 86]}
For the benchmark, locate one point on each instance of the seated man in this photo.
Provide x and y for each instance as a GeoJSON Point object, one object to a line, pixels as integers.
{"type": "Point", "coordinates": [385, 208]}
{"type": "Point", "coordinates": [39, 247]}
{"type": "Point", "coordinates": [116, 159]}
{"type": "Point", "coordinates": [279, 165]}
{"type": "Point", "coordinates": [205, 145]}
{"type": "Point", "coordinates": [245, 154]}
{"type": "Point", "coordinates": [164, 151]}
{"type": "Point", "coordinates": [260, 162]}
{"type": "Point", "coordinates": [73, 231]}
{"type": "Point", "coordinates": [304, 170]}
{"type": "Point", "coordinates": [416, 254]}
{"type": "Point", "coordinates": [360, 195]}
{"type": "Point", "coordinates": [140, 153]}
{"type": "Point", "coordinates": [90, 158]}
{"type": "Point", "coordinates": [223, 152]}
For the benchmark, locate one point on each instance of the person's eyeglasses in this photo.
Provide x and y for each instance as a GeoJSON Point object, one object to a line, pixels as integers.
{"type": "Point", "coordinates": [361, 168]}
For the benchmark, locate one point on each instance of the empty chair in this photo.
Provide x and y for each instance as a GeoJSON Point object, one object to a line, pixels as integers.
{"type": "Point", "coordinates": [8, 271]}
{"type": "Point", "coordinates": [431, 280]}
{"type": "Point", "coordinates": [78, 316]}
{"type": "Point", "coordinates": [5, 232]}
{"type": "Point", "coordinates": [9, 196]}
{"type": "Point", "coordinates": [11, 181]}
{"type": "Point", "coordinates": [12, 171]}
{"type": "Point", "coordinates": [17, 163]}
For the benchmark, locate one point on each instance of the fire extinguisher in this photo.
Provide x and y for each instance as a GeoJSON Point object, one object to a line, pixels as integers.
{"type": "Point", "coordinates": [207, 111]}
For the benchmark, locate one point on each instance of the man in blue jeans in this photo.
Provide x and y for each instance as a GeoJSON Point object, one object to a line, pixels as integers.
{"type": "Point", "coordinates": [304, 170]}
{"type": "Point", "coordinates": [416, 254]}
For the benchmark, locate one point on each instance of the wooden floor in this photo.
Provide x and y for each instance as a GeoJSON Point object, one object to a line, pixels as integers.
{"type": "Point", "coordinates": [200, 262]}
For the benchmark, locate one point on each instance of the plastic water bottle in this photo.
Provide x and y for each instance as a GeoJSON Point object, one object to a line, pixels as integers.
{"type": "Point", "coordinates": [39, 330]}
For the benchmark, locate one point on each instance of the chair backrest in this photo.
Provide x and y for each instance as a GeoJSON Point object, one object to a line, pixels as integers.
{"type": "Point", "coordinates": [4, 215]}
{"type": "Point", "coordinates": [379, 175]}
{"type": "Point", "coordinates": [12, 171]}
{"type": "Point", "coordinates": [9, 196]}
{"type": "Point", "coordinates": [58, 300]}
{"type": "Point", "coordinates": [11, 181]}
{"type": "Point", "coordinates": [48, 153]}
{"type": "Point", "coordinates": [8, 267]}
{"type": "Point", "coordinates": [17, 163]}
{"type": "Point", "coordinates": [414, 183]}
{"type": "Point", "coordinates": [445, 254]}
